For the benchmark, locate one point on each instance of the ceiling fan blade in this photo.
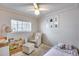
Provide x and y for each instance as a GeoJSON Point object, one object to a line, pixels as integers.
{"type": "Point", "coordinates": [43, 9]}
{"type": "Point", "coordinates": [40, 9]}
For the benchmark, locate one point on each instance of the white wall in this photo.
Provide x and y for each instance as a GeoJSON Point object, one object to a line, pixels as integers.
{"type": "Point", "coordinates": [6, 16]}
{"type": "Point", "coordinates": [67, 29]}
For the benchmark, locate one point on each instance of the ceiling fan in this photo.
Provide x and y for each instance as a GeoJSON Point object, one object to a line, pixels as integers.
{"type": "Point", "coordinates": [37, 9]}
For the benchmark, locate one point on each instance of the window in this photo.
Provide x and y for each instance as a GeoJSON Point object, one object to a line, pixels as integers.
{"type": "Point", "coordinates": [20, 26]}
{"type": "Point", "coordinates": [14, 24]}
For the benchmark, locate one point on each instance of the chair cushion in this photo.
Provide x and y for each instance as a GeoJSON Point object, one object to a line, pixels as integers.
{"type": "Point", "coordinates": [28, 48]}
{"type": "Point", "coordinates": [28, 45]}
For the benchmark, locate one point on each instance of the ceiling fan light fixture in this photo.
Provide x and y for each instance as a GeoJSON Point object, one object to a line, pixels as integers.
{"type": "Point", "coordinates": [37, 12]}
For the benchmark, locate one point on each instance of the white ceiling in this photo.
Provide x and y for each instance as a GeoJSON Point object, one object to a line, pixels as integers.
{"type": "Point", "coordinates": [45, 8]}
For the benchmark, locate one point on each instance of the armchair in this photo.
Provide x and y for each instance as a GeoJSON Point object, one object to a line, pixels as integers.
{"type": "Point", "coordinates": [36, 39]}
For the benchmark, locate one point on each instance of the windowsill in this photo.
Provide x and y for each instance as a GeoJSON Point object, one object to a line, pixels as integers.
{"type": "Point", "coordinates": [20, 32]}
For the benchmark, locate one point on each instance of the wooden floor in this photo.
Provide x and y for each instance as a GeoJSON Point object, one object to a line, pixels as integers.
{"type": "Point", "coordinates": [38, 51]}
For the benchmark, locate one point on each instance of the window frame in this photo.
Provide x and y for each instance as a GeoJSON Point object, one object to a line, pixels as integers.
{"type": "Point", "coordinates": [22, 30]}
